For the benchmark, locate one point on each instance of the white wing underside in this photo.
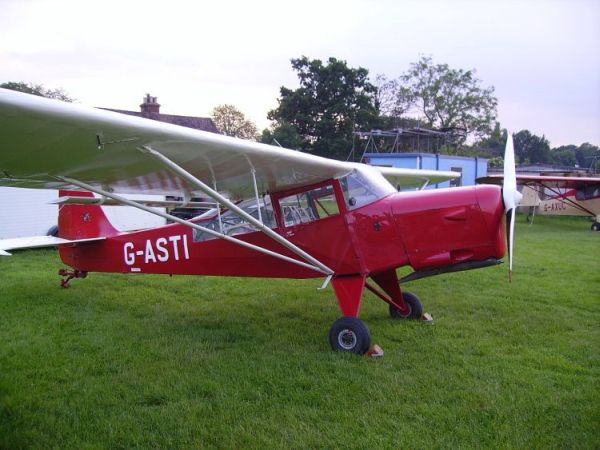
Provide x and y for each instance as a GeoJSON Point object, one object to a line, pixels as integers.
{"type": "Point", "coordinates": [39, 242]}
{"type": "Point", "coordinates": [44, 140]}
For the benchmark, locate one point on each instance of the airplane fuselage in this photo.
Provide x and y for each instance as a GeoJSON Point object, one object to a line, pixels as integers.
{"type": "Point", "coordinates": [566, 207]}
{"type": "Point", "coordinates": [569, 202]}
{"type": "Point", "coordinates": [423, 229]}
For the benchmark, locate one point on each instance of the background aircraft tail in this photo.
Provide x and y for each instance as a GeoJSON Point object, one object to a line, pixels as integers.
{"type": "Point", "coordinates": [82, 221]}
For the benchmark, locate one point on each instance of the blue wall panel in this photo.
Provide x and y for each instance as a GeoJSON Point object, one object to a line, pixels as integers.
{"type": "Point", "coordinates": [471, 168]}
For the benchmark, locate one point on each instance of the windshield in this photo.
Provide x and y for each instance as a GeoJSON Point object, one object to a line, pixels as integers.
{"type": "Point", "coordinates": [232, 224]}
{"type": "Point", "coordinates": [364, 186]}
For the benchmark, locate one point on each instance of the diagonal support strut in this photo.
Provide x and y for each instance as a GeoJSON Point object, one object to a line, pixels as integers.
{"type": "Point", "coordinates": [237, 210]}
{"type": "Point", "coordinates": [187, 223]}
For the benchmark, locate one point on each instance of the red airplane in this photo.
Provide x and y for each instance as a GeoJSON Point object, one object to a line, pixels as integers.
{"type": "Point", "coordinates": [307, 216]}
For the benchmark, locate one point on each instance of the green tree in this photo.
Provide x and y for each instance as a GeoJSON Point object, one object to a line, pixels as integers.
{"type": "Point", "coordinates": [333, 101]}
{"type": "Point", "coordinates": [564, 155]}
{"type": "Point", "coordinates": [530, 148]}
{"type": "Point", "coordinates": [231, 122]}
{"type": "Point", "coordinates": [446, 98]}
{"type": "Point", "coordinates": [37, 89]}
{"type": "Point", "coordinates": [496, 161]}
{"type": "Point", "coordinates": [493, 145]}
{"type": "Point", "coordinates": [285, 135]}
{"type": "Point", "coordinates": [392, 113]}
{"type": "Point", "coordinates": [586, 154]}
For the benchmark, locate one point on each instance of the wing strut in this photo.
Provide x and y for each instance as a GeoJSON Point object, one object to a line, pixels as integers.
{"type": "Point", "coordinates": [325, 270]}
{"type": "Point", "coordinates": [237, 210]}
{"type": "Point", "coordinates": [561, 197]}
{"type": "Point", "coordinates": [256, 195]}
{"type": "Point", "coordinates": [319, 268]}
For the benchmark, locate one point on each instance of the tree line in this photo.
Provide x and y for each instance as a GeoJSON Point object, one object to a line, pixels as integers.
{"type": "Point", "coordinates": [333, 101]}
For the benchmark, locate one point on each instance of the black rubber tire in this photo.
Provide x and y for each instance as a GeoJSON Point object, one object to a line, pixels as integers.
{"type": "Point", "coordinates": [53, 231]}
{"type": "Point", "coordinates": [415, 305]}
{"type": "Point", "coordinates": [349, 334]}
{"type": "Point", "coordinates": [596, 226]}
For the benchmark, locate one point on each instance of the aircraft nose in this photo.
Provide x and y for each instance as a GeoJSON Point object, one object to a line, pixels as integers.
{"type": "Point", "coordinates": [491, 205]}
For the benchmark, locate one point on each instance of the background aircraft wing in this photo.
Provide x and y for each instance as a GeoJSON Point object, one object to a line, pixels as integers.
{"type": "Point", "coordinates": [545, 181]}
{"type": "Point", "coordinates": [45, 139]}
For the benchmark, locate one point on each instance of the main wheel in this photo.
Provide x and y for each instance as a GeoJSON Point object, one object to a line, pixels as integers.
{"type": "Point", "coordinates": [349, 334]}
{"type": "Point", "coordinates": [415, 307]}
{"type": "Point", "coordinates": [596, 226]}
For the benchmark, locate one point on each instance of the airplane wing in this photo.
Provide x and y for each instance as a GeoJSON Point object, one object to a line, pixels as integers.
{"type": "Point", "coordinates": [545, 181]}
{"type": "Point", "coordinates": [45, 141]}
{"type": "Point", "coordinates": [415, 177]}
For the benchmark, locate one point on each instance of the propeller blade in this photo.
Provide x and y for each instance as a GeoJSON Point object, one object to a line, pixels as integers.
{"type": "Point", "coordinates": [511, 196]}
{"type": "Point", "coordinates": [510, 238]}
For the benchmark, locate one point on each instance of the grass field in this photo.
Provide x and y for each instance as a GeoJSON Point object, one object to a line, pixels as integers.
{"type": "Point", "coordinates": [187, 362]}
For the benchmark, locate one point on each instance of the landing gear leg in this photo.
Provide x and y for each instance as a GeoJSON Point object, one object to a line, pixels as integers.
{"type": "Point", "coordinates": [403, 305]}
{"type": "Point", "coordinates": [64, 283]}
{"type": "Point", "coordinates": [531, 215]}
{"type": "Point", "coordinates": [415, 308]}
{"type": "Point", "coordinates": [349, 333]}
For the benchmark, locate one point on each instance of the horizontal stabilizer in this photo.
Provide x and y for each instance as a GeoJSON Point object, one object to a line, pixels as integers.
{"type": "Point", "coordinates": [38, 242]}
{"type": "Point", "coordinates": [73, 200]}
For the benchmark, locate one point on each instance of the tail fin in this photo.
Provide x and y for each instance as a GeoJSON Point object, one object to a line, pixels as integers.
{"type": "Point", "coordinates": [82, 221]}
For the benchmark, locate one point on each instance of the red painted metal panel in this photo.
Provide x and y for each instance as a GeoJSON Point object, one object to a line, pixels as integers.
{"type": "Point", "coordinates": [349, 292]}
{"type": "Point", "coordinates": [82, 221]}
{"type": "Point", "coordinates": [376, 235]}
{"type": "Point", "coordinates": [449, 226]}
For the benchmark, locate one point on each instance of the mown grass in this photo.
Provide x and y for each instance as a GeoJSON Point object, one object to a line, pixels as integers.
{"type": "Point", "coordinates": [187, 362]}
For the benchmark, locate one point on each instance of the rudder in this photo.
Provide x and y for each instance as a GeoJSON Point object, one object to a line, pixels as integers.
{"type": "Point", "coordinates": [82, 221]}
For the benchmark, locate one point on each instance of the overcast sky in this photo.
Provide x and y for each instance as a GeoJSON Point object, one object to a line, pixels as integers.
{"type": "Point", "coordinates": [542, 57]}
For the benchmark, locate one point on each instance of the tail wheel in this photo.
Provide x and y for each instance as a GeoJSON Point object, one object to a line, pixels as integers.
{"type": "Point", "coordinates": [349, 334]}
{"type": "Point", "coordinates": [596, 226]}
{"type": "Point", "coordinates": [415, 307]}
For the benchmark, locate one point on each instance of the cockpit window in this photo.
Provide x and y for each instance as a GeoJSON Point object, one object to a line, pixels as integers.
{"type": "Point", "coordinates": [309, 206]}
{"type": "Point", "coordinates": [231, 224]}
{"type": "Point", "coordinates": [360, 189]}
{"type": "Point", "coordinates": [588, 192]}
